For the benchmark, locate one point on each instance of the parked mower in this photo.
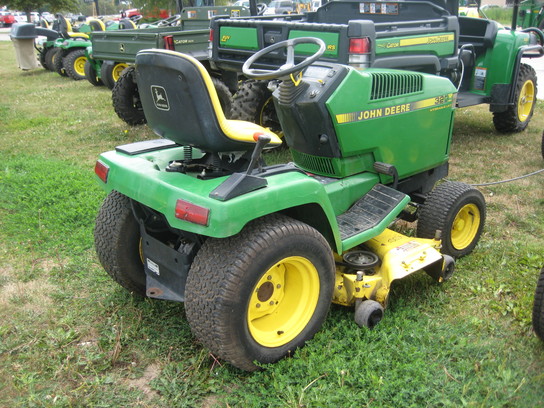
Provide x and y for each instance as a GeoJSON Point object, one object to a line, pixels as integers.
{"type": "Point", "coordinates": [258, 252]}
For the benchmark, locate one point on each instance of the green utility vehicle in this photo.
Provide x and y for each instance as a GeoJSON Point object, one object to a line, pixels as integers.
{"type": "Point", "coordinates": [538, 307]}
{"type": "Point", "coordinates": [531, 14]}
{"type": "Point", "coordinates": [258, 252]}
{"type": "Point", "coordinates": [113, 54]}
{"type": "Point", "coordinates": [481, 59]}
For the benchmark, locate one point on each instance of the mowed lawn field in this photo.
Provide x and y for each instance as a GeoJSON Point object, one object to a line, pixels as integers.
{"type": "Point", "coordinates": [71, 337]}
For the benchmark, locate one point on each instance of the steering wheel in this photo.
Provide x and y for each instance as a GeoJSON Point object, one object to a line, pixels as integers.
{"type": "Point", "coordinates": [261, 7]}
{"type": "Point", "coordinates": [289, 67]}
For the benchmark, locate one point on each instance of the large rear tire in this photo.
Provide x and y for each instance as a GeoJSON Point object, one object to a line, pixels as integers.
{"type": "Point", "coordinates": [538, 307]}
{"type": "Point", "coordinates": [458, 211]}
{"type": "Point", "coordinates": [517, 117]}
{"type": "Point", "coordinates": [253, 103]}
{"type": "Point", "coordinates": [259, 295]}
{"type": "Point", "coordinates": [74, 64]}
{"type": "Point", "coordinates": [117, 241]}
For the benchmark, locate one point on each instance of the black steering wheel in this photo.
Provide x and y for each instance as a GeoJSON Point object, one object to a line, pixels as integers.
{"type": "Point", "coordinates": [289, 67]}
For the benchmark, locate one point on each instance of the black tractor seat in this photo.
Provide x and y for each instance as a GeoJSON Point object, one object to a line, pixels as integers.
{"type": "Point", "coordinates": [181, 104]}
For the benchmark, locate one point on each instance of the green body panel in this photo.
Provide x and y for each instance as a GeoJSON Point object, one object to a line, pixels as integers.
{"type": "Point", "coordinates": [439, 44]}
{"type": "Point", "coordinates": [239, 38]}
{"type": "Point", "coordinates": [497, 65]}
{"type": "Point", "coordinates": [330, 39]}
{"type": "Point", "coordinates": [191, 37]}
{"type": "Point", "coordinates": [69, 44]}
{"type": "Point", "coordinates": [369, 123]}
{"type": "Point", "coordinates": [142, 178]}
{"type": "Point", "coordinates": [529, 14]}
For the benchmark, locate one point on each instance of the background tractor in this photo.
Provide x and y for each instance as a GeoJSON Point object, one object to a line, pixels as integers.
{"type": "Point", "coordinates": [258, 252]}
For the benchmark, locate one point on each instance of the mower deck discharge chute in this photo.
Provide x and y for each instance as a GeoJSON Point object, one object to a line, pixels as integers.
{"type": "Point", "coordinates": [258, 252]}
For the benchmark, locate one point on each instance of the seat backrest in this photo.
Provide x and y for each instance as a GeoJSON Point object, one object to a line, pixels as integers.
{"type": "Point", "coordinates": [96, 25]}
{"type": "Point", "coordinates": [180, 102]}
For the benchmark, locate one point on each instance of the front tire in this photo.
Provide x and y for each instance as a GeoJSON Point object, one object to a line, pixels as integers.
{"type": "Point", "coordinates": [50, 56]}
{"type": "Point", "coordinates": [259, 295]}
{"type": "Point", "coordinates": [58, 63]}
{"type": "Point", "coordinates": [458, 211]}
{"type": "Point", "coordinates": [517, 117]}
{"type": "Point", "coordinates": [118, 242]}
{"type": "Point", "coordinates": [110, 72]}
{"type": "Point", "coordinates": [253, 103]}
{"type": "Point", "coordinates": [74, 64]}
{"type": "Point", "coordinates": [538, 307]}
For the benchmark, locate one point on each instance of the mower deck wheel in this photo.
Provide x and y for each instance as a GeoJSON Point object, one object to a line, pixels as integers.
{"type": "Point", "coordinates": [261, 294]}
{"type": "Point", "coordinates": [368, 313]}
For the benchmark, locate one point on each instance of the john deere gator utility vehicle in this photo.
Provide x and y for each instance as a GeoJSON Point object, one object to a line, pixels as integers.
{"type": "Point", "coordinates": [258, 252]}
{"type": "Point", "coordinates": [481, 58]}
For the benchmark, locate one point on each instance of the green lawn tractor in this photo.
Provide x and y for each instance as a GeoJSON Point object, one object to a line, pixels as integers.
{"type": "Point", "coordinates": [258, 252]}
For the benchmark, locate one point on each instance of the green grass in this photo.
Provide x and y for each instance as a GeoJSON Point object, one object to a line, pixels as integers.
{"type": "Point", "coordinates": [71, 337]}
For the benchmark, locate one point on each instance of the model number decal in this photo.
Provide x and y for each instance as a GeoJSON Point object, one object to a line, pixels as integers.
{"type": "Point", "coordinates": [395, 109]}
{"type": "Point", "coordinates": [409, 42]}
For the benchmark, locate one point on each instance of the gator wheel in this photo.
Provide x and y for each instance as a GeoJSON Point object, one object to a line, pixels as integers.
{"type": "Point", "coordinates": [261, 294]}
{"type": "Point", "coordinates": [253, 103]}
{"type": "Point", "coordinates": [456, 209]}
{"type": "Point", "coordinates": [118, 243]}
{"type": "Point", "coordinates": [126, 99]}
{"type": "Point", "coordinates": [225, 97]}
{"type": "Point", "coordinates": [538, 307]}
{"type": "Point", "coordinates": [517, 117]}
{"type": "Point", "coordinates": [74, 64]}
{"type": "Point", "coordinates": [50, 55]}
{"type": "Point", "coordinates": [58, 63]}
{"type": "Point", "coordinates": [110, 72]}
{"type": "Point", "coordinates": [90, 74]}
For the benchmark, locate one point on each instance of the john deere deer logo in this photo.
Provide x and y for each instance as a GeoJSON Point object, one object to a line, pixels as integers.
{"type": "Point", "coordinates": [160, 98]}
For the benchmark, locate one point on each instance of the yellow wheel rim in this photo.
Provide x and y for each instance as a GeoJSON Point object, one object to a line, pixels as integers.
{"type": "Point", "coordinates": [283, 301]}
{"type": "Point", "coordinates": [526, 100]}
{"type": "Point", "coordinates": [79, 65]}
{"type": "Point", "coordinates": [117, 70]}
{"type": "Point", "coordinates": [465, 226]}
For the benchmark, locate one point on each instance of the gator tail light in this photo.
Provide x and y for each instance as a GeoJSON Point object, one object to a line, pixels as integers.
{"type": "Point", "coordinates": [210, 39]}
{"type": "Point", "coordinates": [101, 170]}
{"type": "Point", "coordinates": [359, 52]}
{"type": "Point", "coordinates": [193, 213]}
{"type": "Point", "coordinates": [169, 42]}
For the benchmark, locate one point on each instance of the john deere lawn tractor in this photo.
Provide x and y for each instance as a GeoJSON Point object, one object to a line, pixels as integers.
{"type": "Point", "coordinates": [258, 252]}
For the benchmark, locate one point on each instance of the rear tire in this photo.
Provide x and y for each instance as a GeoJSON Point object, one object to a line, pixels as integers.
{"type": "Point", "coordinates": [225, 97]}
{"type": "Point", "coordinates": [538, 307]}
{"type": "Point", "coordinates": [74, 64]}
{"type": "Point", "coordinates": [90, 74]}
{"type": "Point", "coordinates": [118, 241]}
{"type": "Point", "coordinates": [261, 294]}
{"type": "Point", "coordinates": [517, 117]}
{"type": "Point", "coordinates": [458, 211]}
{"type": "Point", "coordinates": [126, 99]}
